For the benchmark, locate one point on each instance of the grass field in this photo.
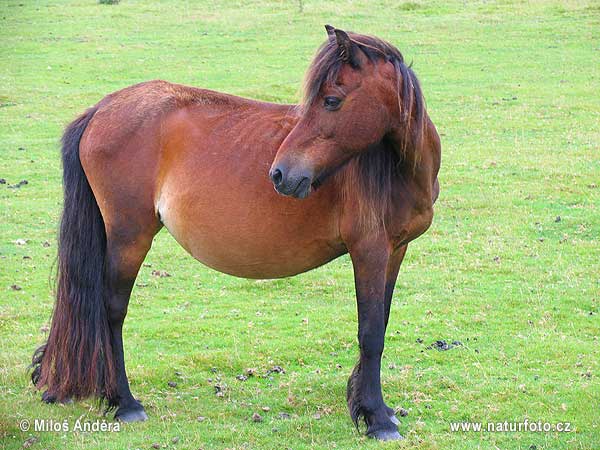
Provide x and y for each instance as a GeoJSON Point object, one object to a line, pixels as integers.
{"type": "Point", "coordinates": [510, 267]}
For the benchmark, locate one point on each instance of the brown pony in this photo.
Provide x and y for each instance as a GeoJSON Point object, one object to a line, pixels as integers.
{"type": "Point", "coordinates": [360, 150]}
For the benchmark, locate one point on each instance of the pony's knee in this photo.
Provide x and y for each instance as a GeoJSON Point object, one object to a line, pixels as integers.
{"type": "Point", "coordinates": [371, 343]}
{"type": "Point", "coordinates": [124, 259]}
{"type": "Point", "coordinates": [117, 308]}
{"type": "Point", "coordinates": [125, 254]}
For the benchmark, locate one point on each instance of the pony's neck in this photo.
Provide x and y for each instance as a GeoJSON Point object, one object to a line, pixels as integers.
{"type": "Point", "coordinates": [367, 182]}
{"type": "Point", "coordinates": [408, 143]}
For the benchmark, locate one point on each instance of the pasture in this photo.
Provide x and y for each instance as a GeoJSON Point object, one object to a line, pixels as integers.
{"type": "Point", "coordinates": [510, 267]}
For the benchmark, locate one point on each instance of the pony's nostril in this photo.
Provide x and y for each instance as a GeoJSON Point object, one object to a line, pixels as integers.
{"type": "Point", "coordinates": [276, 177]}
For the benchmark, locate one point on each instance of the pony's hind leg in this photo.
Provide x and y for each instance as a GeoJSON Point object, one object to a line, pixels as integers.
{"type": "Point", "coordinates": [125, 254]}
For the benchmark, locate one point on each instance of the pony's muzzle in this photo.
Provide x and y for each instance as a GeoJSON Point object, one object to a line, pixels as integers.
{"type": "Point", "coordinates": [286, 182]}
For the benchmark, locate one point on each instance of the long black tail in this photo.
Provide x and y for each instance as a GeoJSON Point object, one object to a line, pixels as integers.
{"type": "Point", "coordinates": [77, 360]}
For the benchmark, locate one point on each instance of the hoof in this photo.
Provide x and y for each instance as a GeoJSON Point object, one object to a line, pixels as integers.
{"type": "Point", "coordinates": [130, 414]}
{"type": "Point", "coordinates": [49, 399]}
{"type": "Point", "coordinates": [386, 435]}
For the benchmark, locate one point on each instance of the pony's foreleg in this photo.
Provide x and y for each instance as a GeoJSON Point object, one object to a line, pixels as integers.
{"type": "Point", "coordinates": [370, 261]}
{"type": "Point", "coordinates": [391, 275]}
{"type": "Point", "coordinates": [125, 256]}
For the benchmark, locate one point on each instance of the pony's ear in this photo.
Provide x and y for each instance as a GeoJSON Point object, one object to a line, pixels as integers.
{"type": "Point", "coordinates": [348, 49]}
{"type": "Point", "coordinates": [330, 32]}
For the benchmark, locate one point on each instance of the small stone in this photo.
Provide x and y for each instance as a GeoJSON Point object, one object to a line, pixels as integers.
{"type": "Point", "coordinates": [266, 409]}
{"type": "Point", "coordinates": [276, 369]}
{"type": "Point", "coordinates": [440, 345]}
{"type": "Point", "coordinates": [241, 377]}
{"type": "Point", "coordinates": [284, 416]}
{"type": "Point", "coordinates": [317, 416]}
{"type": "Point", "coordinates": [20, 242]}
{"type": "Point", "coordinates": [2, 181]}
{"type": "Point", "coordinates": [172, 384]}
{"type": "Point", "coordinates": [30, 441]}
{"type": "Point", "coordinates": [19, 184]}
{"type": "Point", "coordinates": [46, 244]}
{"type": "Point", "coordinates": [256, 417]}
{"type": "Point", "coordinates": [161, 273]}
{"type": "Point", "coordinates": [175, 440]}
{"type": "Point", "coordinates": [201, 418]}
{"type": "Point", "coordinates": [16, 287]}
{"type": "Point", "coordinates": [558, 219]}
{"type": "Point", "coordinates": [156, 445]}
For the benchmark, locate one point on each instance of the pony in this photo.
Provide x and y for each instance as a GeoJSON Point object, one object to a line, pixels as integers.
{"type": "Point", "coordinates": [249, 188]}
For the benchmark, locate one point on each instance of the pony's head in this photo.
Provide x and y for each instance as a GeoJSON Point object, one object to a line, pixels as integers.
{"type": "Point", "coordinates": [358, 92]}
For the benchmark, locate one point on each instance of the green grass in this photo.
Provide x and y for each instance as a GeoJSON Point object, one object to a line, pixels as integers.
{"type": "Point", "coordinates": [513, 87]}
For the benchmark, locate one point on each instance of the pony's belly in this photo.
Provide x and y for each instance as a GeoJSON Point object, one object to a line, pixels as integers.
{"type": "Point", "coordinates": [251, 242]}
{"type": "Point", "coordinates": [259, 265]}
{"type": "Point", "coordinates": [255, 256]}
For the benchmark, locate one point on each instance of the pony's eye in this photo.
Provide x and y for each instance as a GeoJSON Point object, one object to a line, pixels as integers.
{"type": "Point", "coordinates": [332, 103]}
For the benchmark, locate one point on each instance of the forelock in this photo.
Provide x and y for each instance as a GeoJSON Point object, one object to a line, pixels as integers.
{"type": "Point", "coordinates": [326, 65]}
